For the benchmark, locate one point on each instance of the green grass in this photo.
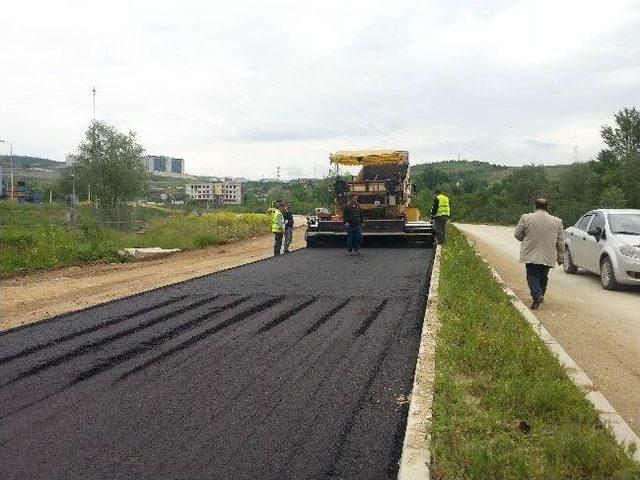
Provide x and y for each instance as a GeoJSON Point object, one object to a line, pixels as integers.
{"type": "Point", "coordinates": [495, 378]}
{"type": "Point", "coordinates": [32, 247]}
{"type": "Point", "coordinates": [189, 232]}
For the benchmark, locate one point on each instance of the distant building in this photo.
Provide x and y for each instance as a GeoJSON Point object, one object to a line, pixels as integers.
{"type": "Point", "coordinates": [231, 192]}
{"type": "Point", "coordinates": [227, 192]}
{"type": "Point", "coordinates": [162, 164]}
{"type": "Point", "coordinates": [204, 191]}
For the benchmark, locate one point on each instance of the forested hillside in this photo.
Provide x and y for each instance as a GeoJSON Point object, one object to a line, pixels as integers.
{"type": "Point", "coordinates": [485, 193]}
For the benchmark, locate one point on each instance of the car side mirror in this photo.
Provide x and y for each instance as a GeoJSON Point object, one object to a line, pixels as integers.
{"type": "Point", "coordinates": [595, 231]}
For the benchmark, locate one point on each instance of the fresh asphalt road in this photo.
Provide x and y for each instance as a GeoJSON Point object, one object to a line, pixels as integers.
{"type": "Point", "coordinates": [295, 367]}
{"type": "Point", "coordinates": [598, 328]}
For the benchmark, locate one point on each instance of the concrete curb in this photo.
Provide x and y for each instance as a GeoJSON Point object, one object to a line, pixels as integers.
{"type": "Point", "coordinates": [416, 452]}
{"type": "Point", "coordinates": [606, 412]}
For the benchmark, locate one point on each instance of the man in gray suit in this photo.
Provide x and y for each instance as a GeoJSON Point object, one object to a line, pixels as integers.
{"type": "Point", "coordinates": [542, 246]}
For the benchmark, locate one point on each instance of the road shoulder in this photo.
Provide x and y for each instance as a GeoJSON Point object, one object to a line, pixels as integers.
{"type": "Point", "coordinates": [34, 297]}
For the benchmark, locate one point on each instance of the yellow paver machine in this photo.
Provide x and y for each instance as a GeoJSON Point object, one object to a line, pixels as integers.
{"type": "Point", "coordinates": [383, 188]}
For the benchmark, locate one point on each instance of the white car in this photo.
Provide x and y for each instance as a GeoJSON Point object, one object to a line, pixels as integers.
{"type": "Point", "coordinates": [605, 242]}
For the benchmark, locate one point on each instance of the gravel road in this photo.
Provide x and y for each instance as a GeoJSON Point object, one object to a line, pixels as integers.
{"type": "Point", "coordinates": [598, 328]}
{"type": "Point", "coordinates": [295, 367]}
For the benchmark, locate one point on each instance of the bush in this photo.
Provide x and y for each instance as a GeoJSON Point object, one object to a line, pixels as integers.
{"type": "Point", "coordinates": [17, 239]}
{"type": "Point", "coordinates": [90, 229]}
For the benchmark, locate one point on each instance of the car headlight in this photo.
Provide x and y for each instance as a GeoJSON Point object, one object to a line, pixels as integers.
{"type": "Point", "coordinates": [629, 251]}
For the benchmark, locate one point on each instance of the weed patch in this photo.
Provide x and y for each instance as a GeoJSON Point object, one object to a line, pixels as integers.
{"type": "Point", "coordinates": [32, 238]}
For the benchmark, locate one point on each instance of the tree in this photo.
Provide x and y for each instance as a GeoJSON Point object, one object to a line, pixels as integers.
{"type": "Point", "coordinates": [613, 197]}
{"type": "Point", "coordinates": [624, 139]}
{"type": "Point", "coordinates": [66, 185]}
{"type": "Point", "coordinates": [579, 182]}
{"type": "Point", "coordinates": [112, 163]}
{"type": "Point", "coordinates": [473, 182]}
{"type": "Point", "coordinates": [432, 177]}
{"type": "Point", "coordinates": [620, 162]}
{"type": "Point", "coordinates": [523, 185]}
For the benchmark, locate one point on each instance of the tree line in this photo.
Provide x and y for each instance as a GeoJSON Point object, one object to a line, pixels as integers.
{"type": "Point", "coordinates": [110, 163]}
{"type": "Point", "coordinates": [611, 180]}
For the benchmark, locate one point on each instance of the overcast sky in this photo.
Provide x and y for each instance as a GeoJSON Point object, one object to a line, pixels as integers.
{"type": "Point", "coordinates": [240, 87]}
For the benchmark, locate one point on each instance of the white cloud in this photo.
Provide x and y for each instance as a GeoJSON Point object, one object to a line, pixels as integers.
{"type": "Point", "coordinates": [240, 87]}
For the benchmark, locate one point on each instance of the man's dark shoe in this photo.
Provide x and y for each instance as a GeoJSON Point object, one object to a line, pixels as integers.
{"type": "Point", "coordinates": [536, 303]}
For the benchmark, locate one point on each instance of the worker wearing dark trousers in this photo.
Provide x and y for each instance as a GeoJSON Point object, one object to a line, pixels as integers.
{"type": "Point", "coordinates": [277, 227]}
{"type": "Point", "coordinates": [440, 213]}
{"type": "Point", "coordinates": [353, 220]}
{"type": "Point", "coordinates": [288, 227]}
{"type": "Point", "coordinates": [542, 237]}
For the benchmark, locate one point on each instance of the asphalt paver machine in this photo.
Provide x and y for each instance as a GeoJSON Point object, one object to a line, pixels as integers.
{"type": "Point", "coordinates": [383, 188]}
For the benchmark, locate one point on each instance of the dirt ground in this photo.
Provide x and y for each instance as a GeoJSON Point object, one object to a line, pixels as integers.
{"type": "Point", "coordinates": [33, 297]}
{"type": "Point", "coordinates": [598, 328]}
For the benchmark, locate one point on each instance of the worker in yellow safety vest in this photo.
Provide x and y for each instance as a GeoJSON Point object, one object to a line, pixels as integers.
{"type": "Point", "coordinates": [277, 226]}
{"type": "Point", "coordinates": [440, 213]}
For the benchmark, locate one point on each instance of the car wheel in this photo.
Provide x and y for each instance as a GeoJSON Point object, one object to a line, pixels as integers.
{"type": "Point", "coordinates": [568, 265]}
{"type": "Point", "coordinates": [607, 275]}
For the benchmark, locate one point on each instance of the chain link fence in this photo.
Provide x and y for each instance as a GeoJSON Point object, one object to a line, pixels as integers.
{"type": "Point", "coordinates": [72, 215]}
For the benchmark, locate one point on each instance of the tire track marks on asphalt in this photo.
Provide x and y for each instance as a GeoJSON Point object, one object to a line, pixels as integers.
{"type": "Point", "coordinates": [285, 384]}
{"type": "Point", "coordinates": [206, 333]}
{"type": "Point", "coordinates": [90, 347]}
{"type": "Point", "coordinates": [85, 331]}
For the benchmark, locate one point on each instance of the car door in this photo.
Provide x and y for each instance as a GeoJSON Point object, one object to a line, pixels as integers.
{"type": "Point", "coordinates": [577, 239]}
{"type": "Point", "coordinates": [593, 245]}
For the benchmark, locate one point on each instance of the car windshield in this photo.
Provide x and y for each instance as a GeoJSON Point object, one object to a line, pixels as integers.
{"type": "Point", "coordinates": [628, 224]}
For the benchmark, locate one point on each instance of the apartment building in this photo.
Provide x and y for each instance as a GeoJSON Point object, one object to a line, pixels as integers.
{"type": "Point", "coordinates": [226, 192]}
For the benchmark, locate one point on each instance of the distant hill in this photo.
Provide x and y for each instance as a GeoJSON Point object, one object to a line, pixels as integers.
{"type": "Point", "coordinates": [33, 170]}
{"type": "Point", "coordinates": [459, 169]}
{"type": "Point", "coordinates": [26, 162]}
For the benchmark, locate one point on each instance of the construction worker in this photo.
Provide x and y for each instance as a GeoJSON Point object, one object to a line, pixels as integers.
{"type": "Point", "coordinates": [440, 213]}
{"type": "Point", "coordinates": [353, 220]}
{"type": "Point", "coordinates": [288, 227]}
{"type": "Point", "coordinates": [277, 226]}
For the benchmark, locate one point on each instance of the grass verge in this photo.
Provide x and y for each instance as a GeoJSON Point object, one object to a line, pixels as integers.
{"type": "Point", "coordinates": [32, 248]}
{"type": "Point", "coordinates": [503, 406]}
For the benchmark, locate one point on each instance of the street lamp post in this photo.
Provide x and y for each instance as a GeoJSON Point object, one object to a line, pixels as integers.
{"type": "Point", "coordinates": [10, 163]}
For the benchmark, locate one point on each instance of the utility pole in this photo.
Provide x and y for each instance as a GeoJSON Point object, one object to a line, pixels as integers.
{"type": "Point", "coordinates": [93, 137]}
{"type": "Point", "coordinates": [575, 154]}
{"type": "Point", "coordinates": [278, 174]}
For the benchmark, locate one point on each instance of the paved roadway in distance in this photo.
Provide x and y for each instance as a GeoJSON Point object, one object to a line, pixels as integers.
{"type": "Point", "coordinates": [600, 329]}
{"type": "Point", "coordinates": [295, 367]}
